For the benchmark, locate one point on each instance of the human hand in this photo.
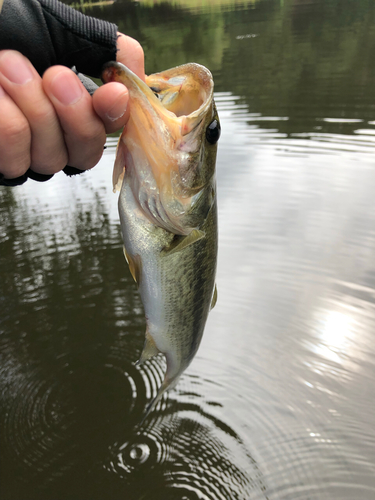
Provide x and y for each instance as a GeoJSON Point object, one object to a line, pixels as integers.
{"type": "Point", "coordinates": [50, 122]}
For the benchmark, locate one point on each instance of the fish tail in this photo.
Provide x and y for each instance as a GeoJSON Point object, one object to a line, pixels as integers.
{"type": "Point", "coordinates": [166, 385]}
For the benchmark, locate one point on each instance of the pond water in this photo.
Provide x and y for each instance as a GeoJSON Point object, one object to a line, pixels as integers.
{"type": "Point", "coordinates": [279, 402]}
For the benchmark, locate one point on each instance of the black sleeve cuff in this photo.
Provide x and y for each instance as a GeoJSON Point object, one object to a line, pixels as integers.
{"type": "Point", "coordinates": [48, 32]}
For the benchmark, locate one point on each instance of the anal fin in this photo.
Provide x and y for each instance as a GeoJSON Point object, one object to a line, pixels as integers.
{"type": "Point", "coordinates": [149, 349]}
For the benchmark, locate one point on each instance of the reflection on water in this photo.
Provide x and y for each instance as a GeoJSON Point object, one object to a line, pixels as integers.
{"type": "Point", "coordinates": [279, 401]}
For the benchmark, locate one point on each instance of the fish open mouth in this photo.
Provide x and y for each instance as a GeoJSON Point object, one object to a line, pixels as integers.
{"type": "Point", "coordinates": [181, 95]}
{"type": "Point", "coordinates": [183, 90]}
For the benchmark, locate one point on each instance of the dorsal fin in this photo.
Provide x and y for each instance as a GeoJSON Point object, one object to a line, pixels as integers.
{"type": "Point", "coordinates": [214, 297]}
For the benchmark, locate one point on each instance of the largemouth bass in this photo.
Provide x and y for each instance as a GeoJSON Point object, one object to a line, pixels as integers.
{"type": "Point", "coordinates": [165, 168]}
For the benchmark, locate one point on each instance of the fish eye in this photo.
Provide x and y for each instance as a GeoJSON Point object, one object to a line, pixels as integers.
{"type": "Point", "coordinates": [213, 132]}
{"type": "Point", "coordinates": [156, 91]}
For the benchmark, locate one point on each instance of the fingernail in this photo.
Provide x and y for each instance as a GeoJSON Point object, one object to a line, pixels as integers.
{"type": "Point", "coordinates": [67, 88]}
{"type": "Point", "coordinates": [119, 107]}
{"type": "Point", "coordinates": [15, 67]}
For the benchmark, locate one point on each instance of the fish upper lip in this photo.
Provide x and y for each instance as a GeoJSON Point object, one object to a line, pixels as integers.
{"type": "Point", "coordinates": [138, 85]}
{"type": "Point", "coordinates": [108, 76]}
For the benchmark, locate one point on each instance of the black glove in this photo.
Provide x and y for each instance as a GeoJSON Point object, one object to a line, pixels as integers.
{"type": "Point", "coordinates": [48, 32]}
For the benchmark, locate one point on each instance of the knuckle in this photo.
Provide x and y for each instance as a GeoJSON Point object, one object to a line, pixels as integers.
{"type": "Point", "coordinates": [14, 170]}
{"type": "Point", "coordinates": [16, 132]}
{"type": "Point", "coordinates": [51, 162]}
{"type": "Point", "coordinates": [41, 114]}
{"type": "Point", "coordinates": [14, 165]}
{"type": "Point", "coordinates": [15, 139]}
{"type": "Point", "coordinates": [92, 159]}
{"type": "Point", "coordinates": [90, 150]}
{"type": "Point", "coordinates": [61, 160]}
{"type": "Point", "coordinates": [94, 136]}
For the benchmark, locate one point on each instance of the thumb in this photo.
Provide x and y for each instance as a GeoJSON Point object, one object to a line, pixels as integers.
{"type": "Point", "coordinates": [130, 53]}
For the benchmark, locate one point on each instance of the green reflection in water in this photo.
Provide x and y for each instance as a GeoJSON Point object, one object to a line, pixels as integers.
{"type": "Point", "coordinates": [305, 60]}
{"type": "Point", "coordinates": [63, 346]}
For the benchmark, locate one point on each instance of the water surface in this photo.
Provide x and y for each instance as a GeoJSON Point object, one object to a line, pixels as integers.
{"type": "Point", "coordinates": [279, 402]}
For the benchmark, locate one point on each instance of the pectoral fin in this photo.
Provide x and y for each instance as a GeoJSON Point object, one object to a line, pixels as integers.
{"type": "Point", "coordinates": [181, 242]}
{"type": "Point", "coordinates": [119, 166]}
{"type": "Point", "coordinates": [135, 265]}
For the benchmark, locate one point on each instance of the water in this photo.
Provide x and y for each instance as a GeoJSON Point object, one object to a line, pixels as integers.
{"type": "Point", "coordinates": [280, 399]}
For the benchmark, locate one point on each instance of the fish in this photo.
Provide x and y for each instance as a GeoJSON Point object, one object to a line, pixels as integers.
{"type": "Point", "coordinates": [165, 171]}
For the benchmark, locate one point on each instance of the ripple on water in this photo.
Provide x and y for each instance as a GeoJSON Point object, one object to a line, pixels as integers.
{"type": "Point", "coordinates": [197, 457]}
